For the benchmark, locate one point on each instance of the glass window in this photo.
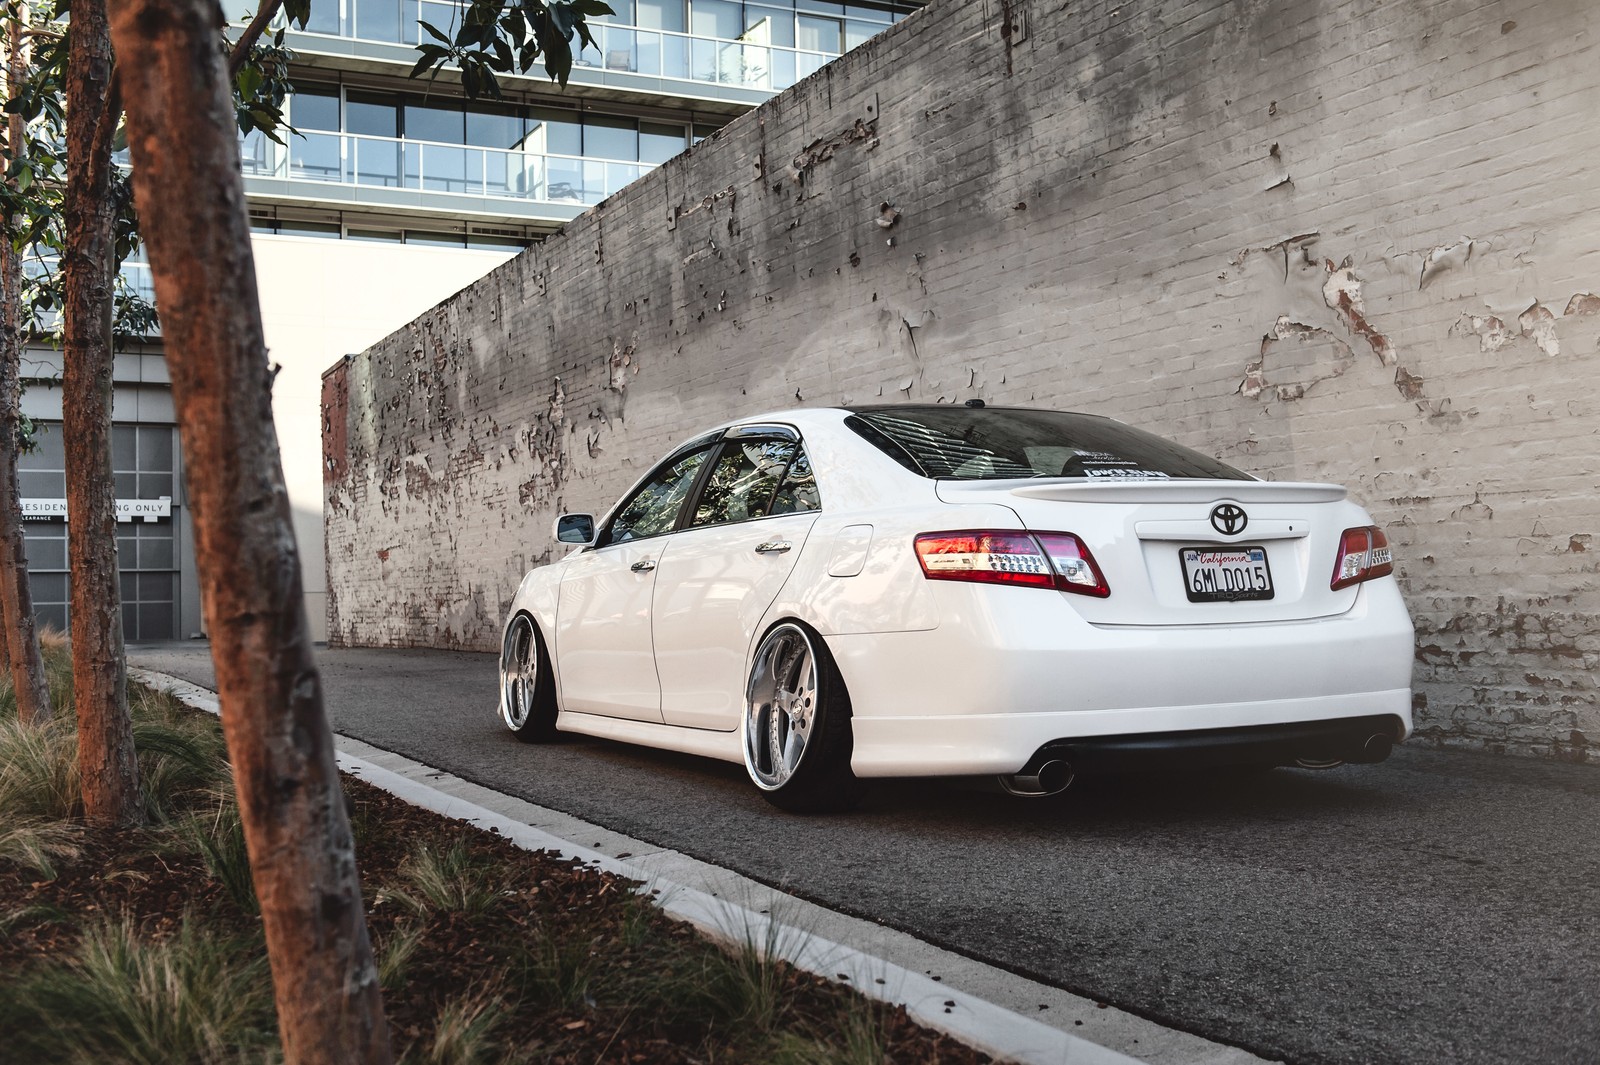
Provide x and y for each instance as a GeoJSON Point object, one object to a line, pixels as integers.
{"type": "Point", "coordinates": [379, 20]}
{"type": "Point", "coordinates": [324, 19]}
{"type": "Point", "coordinates": [436, 240]}
{"type": "Point", "coordinates": [494, 129]}
{"type": "Point", "coordinates": [661, 15]}
{"type": "Point", "coordinates": [38, 484]}
{"type": "Point", "coordinates": [653, 510]}
{"type": "Point", "coordinates": [288, 227]}
{"type": "Point", "coordinates": [716, 18]}
{"type": "Point", "coordinates": [124, 447]}
{"type": "Point", "coordinates": [798, 492]}
{"type": "Point", "coordinates": [372, 116]}
{"type": "Point", "coordinates": [605, 137]}
{"type": "Point", "coordinates": [742, 482]}
{"type": "Point", "coordinates": [155, 448]}
{"type": "Point", "coordinates": [555, 131]}
{"type": "Point", "coordinates": [858, 33]}
{"type": "Point", "coordinates": [967, 443]}
{"type": "Point", "coordinates": [485, 242]}
{"type": "Point", "coordinates": [49, 452]}
{"type": "Point", "coordinates": [658, 143]}
{"type": "Point", "coordinates": [428, 123]}
{"type": "Point", "coordinates": [820, 34]}
{"type": "Point", "coordinates": [311, 108]}
{"type": "Point", "coordinates": [389, 235]}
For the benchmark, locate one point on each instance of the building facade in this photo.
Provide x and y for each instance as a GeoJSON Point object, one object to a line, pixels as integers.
{"type": "Point", "coordinates": [394, 194]}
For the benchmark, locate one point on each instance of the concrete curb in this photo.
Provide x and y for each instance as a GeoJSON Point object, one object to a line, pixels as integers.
{"type": "Point", "coordinates": [703, 894]}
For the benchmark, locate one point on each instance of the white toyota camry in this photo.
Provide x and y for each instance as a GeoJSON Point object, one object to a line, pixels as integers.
{"type": "Point", "coordinates": [836, 594]}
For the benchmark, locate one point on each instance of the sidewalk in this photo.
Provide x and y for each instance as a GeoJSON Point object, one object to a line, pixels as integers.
{"type": "Point", "coordinates": [983, 1006]}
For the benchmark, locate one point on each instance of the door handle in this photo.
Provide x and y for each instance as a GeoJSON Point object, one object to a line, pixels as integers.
{"type": "Point", "coordinates": [773, 547]}
{"type": "Point", "coordinates": [644, 565]}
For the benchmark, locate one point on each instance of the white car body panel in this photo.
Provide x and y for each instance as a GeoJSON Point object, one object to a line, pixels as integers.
{"type": "Point", "coordinates": [712, 588]}
{"type": "Point", "coordinates": [602, 634]}
{"type": "Point", "coordinates": [955, 678]}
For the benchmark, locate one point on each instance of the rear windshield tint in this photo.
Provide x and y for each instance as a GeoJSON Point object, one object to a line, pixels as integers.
{"type": "Point", "coordinates": [979, 444]}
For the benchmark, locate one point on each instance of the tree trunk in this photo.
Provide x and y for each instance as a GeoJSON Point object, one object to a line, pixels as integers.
{"type": "Point", "coordinates": [16, 596]}
{"type": "Point", "coordinates": [191, 204]}
{"type": "Point", "coordinates": [106, 759]}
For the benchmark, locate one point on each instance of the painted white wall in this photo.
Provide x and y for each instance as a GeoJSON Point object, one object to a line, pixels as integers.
{"type": "Point", "coordinates": [323, 299]}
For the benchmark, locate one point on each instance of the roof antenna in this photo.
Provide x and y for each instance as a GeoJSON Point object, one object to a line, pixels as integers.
{"type": "Point", "coordinates": [975, 403]}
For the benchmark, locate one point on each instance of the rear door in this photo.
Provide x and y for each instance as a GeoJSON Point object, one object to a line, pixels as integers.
{"type": "Point", "coordinates": [744, 532]}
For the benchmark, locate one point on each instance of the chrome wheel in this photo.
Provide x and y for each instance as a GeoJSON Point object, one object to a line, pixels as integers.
{"type": "Point", "coordinates": [519, 673]}
{"type": "Point", "coordinates": [780, 706]}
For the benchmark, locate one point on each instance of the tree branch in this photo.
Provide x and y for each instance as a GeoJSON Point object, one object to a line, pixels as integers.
{"type": "Point", "coordinates": [252, 33]}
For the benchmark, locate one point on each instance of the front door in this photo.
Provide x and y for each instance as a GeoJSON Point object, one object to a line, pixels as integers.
{"type": "Point", "coordinates": [603, 642]}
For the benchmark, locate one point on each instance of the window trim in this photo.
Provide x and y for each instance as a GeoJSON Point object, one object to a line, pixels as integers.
{"type": "Point", "coordinates": [705, 442]}
{"type": "Point", "coordinates": [744, 434]}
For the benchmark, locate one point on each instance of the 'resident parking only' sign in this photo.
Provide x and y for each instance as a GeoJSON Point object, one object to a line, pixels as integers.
{"type": "Point", "coordinates": [127, 509]}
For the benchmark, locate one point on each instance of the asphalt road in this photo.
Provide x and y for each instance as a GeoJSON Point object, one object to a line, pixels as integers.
{"type": "Point", "coordinates": [1440, 907]}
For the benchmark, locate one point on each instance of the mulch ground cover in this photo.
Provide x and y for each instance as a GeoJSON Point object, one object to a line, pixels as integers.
{"type": "Point", "coordinates": [578, 968]}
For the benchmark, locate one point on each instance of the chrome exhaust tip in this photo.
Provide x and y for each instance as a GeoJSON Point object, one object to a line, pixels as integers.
{"type": "Point", "coordinates": [1051, 778]}
{"type": "Point", "coordinates": [1377, 748]}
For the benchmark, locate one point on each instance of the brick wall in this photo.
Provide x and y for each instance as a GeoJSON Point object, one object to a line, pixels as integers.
{"type": "Point", "coordinates": [1343, 240]}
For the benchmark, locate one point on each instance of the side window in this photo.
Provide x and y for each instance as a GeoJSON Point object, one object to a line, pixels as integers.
{"type": "Point", "coordinates": [798, 492]}
{"type": "Point", "coordinates": [653, 510]}
{"type": "Point", "coordinates": [742, 482]}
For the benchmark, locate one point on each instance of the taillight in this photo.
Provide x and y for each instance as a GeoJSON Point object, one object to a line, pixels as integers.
{"type": "Point", "coordinates": [1041, 560]}
{"type": "Point", "coordinates": [1363, 554]}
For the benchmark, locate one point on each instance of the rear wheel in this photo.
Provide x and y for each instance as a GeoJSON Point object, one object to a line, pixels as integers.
{"type": "Point", "coordinates": [797, 724]}
{"type": "Point", "coordinates": [527, 684]}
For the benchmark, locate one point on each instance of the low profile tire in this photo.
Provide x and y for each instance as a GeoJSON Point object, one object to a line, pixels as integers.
{"type": "Point", "coordinates": [797, 738]}
{"type": "Point", "coordinates": [527, 684]}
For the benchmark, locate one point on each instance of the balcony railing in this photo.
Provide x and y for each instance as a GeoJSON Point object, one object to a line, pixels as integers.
{"type": "Point", "coordinates": [638, 50]}
{"type": "Point", "coordinates": [428, 166]}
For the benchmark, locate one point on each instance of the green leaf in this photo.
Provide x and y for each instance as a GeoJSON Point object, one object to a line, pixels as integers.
{"type": "Point", "coordinates": [423, 65]}
{"type": "Point", "coordinates": [433, 31]}
{"type": "Point", "coordinates": [591, 8]}
{"type": "Point", "coordinates": [563, 19]}
{"type": "Point", "coordinates": [299, 11]}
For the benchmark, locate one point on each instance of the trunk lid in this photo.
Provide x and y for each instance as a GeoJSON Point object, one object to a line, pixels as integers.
{"type": "Point", "coordinates": [1168, 562]}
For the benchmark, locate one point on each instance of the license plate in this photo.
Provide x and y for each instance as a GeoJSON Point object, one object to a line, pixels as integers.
{"type": "Point", "coordinates": [1226, 574]}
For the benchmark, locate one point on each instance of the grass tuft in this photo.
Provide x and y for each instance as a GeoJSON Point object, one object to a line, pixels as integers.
{"type": "Point", "coordinates": [37, 844]}
{"type": "Point", "coordinates": [39, 770]}
{"type": "Point", "coordinates": [395, 954]}
{"type": "Point", "coordinates": [194, 997]}
{"type": "Point", "coordinates": [217, 837]}
{"type": "Point", "coordinates": [450, 881]}
{"type": "Point", "coordinates": [555, 972]}
{"type": "Point", "coordinates": [464, 1033]}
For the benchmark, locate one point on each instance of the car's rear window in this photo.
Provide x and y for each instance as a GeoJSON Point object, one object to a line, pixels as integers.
{"type": "Point", "coordinates": [988, 443]}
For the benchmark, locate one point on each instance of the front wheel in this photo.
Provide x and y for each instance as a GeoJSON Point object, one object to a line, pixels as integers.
{"type": "Point", "coordinates": [527, 683]}
{"type": "Point", "coordinates": [797, 724]}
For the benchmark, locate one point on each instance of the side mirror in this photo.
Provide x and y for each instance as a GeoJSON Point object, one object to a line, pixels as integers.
{"type": "Point", "coordinates": [576, 529]}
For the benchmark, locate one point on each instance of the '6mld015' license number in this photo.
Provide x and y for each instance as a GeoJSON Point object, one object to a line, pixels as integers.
{"type": "Point", "coordinates": [1223, 575]}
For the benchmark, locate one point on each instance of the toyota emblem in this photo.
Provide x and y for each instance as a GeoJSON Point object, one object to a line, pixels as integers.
{"type": "Point", "coordinates": [1228, 518]}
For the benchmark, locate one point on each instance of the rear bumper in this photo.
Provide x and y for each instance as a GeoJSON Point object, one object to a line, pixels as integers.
{"type": "Point", "coordinates": [1345, 739]}
{"type": "Point", "coordinates": [1275, 731]}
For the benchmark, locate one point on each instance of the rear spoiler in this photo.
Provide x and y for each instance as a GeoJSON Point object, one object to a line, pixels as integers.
{"type": "Point", "coordinates": [1152, 490]}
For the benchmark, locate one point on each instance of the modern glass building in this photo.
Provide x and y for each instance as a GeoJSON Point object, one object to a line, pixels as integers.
{"type": "Point", "coordinates": [395, 194]}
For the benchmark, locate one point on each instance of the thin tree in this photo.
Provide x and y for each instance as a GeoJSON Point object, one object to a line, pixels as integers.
{"type": "Point", "coordinates": [182, 135]}
{"type": "Point", "coordinates": [16, 595]}
{"type": "Point", "coordinates": [184, 143]}
{"type": "Point", "coordinates": [107, 763]}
